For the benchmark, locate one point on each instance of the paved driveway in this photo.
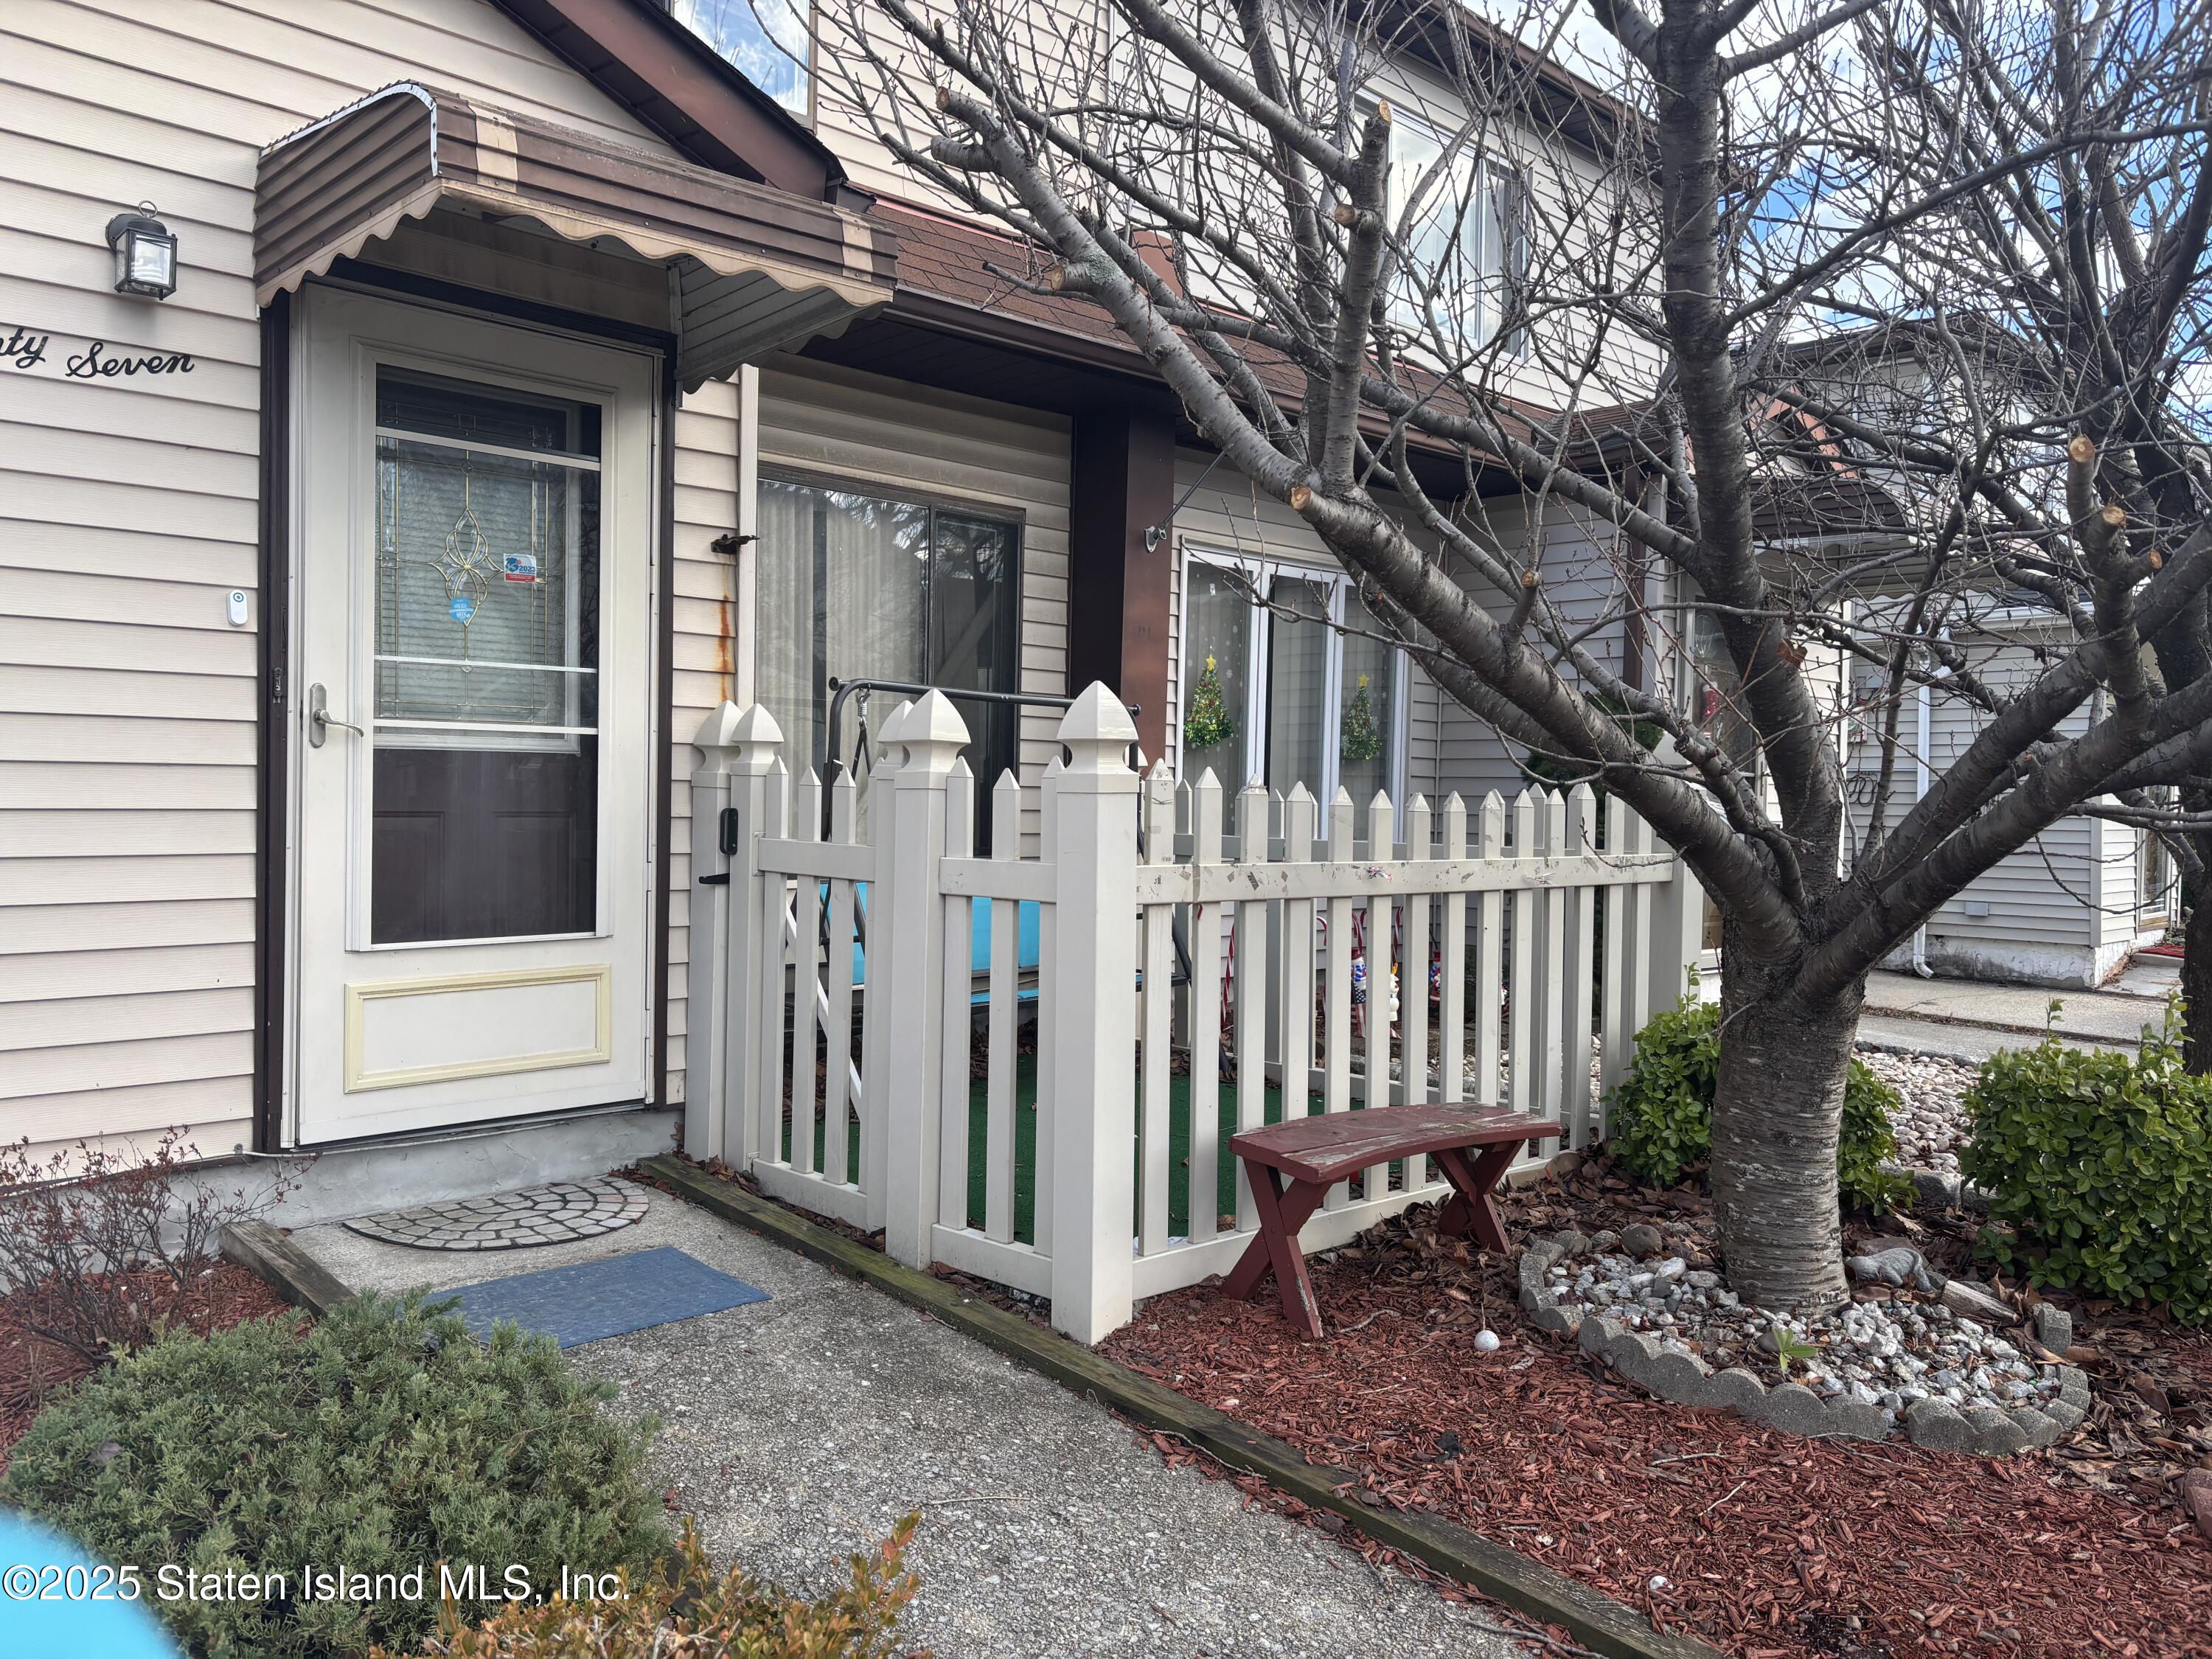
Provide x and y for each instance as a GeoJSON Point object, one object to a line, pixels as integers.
{"type": "Point", "coordinates": [799, 1429]}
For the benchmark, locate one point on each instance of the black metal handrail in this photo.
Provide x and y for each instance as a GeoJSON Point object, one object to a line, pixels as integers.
{"type": "Point", "coordinates": [830, 767]}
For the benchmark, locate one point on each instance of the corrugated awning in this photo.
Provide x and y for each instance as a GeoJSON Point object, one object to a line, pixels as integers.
{"type": "Point", "coordinates": [757, 269]}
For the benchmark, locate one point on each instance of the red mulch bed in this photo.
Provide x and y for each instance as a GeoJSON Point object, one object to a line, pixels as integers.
{"type": "Point", "coordinates": [1762, 1543]}
{"type": "Point", "coordinates": [32, 1369]}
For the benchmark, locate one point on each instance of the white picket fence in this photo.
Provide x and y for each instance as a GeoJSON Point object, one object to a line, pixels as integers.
{"type": "Point", "coordinates": [1005, 1063]}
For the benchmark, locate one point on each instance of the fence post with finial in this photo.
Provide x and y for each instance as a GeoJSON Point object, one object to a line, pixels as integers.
{"type": "Point", "coordinates": [1093, 1058]}
{"type": "Point", "coordinates": [906, 986]}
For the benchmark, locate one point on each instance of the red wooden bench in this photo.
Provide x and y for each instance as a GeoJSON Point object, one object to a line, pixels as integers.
{"type": "Point", "coordinates": [1314, 1153]}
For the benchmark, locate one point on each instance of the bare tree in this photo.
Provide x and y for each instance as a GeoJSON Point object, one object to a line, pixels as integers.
{"type": "Point", "coordinates": [1391, 258]}
{"type": "Point", "coordinates": [2064, 298]}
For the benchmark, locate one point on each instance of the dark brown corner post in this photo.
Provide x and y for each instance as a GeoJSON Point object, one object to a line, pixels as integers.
{"type": "Point", "coordinates": [273, 739]}
{"type": "Point", "coordinates": [1123, 485]}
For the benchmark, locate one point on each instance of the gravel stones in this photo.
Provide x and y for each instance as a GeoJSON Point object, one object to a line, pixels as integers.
{"type": "Point", "coordinates": [1930, 1120]}
{"type": "Point", "coordinates": [1949, 1381]}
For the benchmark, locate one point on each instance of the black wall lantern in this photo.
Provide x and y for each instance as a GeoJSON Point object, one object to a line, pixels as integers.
{"type": "Point", "coordinates": [145, 253]}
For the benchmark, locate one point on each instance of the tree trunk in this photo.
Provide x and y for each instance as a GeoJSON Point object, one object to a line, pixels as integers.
{"type": "Point", "coordinates": [1776, 1121]}
{"type": "Point", "coordinates": [2196, 961]}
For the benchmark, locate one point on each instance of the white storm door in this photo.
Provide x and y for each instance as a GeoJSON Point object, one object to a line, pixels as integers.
{"type": "Point", "coordinates": [474, 509]}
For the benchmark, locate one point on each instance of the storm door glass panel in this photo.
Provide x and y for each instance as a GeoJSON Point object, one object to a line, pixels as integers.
{"type": "Point", "coordinates": [1217, 657]}
{"type": "Point", "coordinates": [974, 637]}
{"type": "Point", "coordinates": [1298, 643]}
{"type": "Point", "coordinates": [1367, 724]}
{"type": "Point", "coordinates": [485, 725]}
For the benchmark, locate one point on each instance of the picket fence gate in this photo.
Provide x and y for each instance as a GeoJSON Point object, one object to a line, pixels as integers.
{"type": "Point", "coordinates": [982, 1057]}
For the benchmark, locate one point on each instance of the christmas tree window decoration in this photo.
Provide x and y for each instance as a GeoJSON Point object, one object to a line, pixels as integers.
{"type": "Point", "coordinates": [1362, 741]}
{"type": "Point", "coordinates": [1207, 722]}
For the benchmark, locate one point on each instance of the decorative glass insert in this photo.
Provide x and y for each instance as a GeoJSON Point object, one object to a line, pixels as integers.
{"type": "Point", "coordinates": [486, 659]}
{"type": "Point", "coordinates": [1367, 722]}
{"type": "Point", "coordinates": [1308, 687]}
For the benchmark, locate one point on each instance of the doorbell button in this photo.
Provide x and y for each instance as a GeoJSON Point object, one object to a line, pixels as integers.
{"type": "Point", "coordinates": [238, 607]}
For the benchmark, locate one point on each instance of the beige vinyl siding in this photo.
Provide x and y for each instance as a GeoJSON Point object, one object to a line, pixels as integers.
{"type": "Point", "coordinates": [2114, 848]}
{"type": "Point", "coordinates": [128, 513]}
{"type": "Point", "coordinates": [1582, 580]}
{"type": "Point", "coordinates": [705, 647]}
{"type": "Point", "coordinates": [871, 431]}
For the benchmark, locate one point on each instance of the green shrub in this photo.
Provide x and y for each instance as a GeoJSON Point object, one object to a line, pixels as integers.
{"type": "Point", "coordinates": [690, 1612]}
{"type": "Point", "coordinates": [2098, 1170]}
{"type": "Point", "coordinates": [1660, 1120]}
{"type": "Point", "coordinates": [384, 1438]}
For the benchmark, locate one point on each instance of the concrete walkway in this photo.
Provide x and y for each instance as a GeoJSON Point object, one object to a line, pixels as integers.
{"type": "Point", "coordinates": [1969, 1020]}
{"type": "Point", "coordinates": [798, 1430]}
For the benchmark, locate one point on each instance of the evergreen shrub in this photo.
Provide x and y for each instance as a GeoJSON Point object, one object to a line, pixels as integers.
{"type": "Point", "coordinates": [381, 1439]}
{"type": "Point", "coordinates": [1659, 1121]}
{"type": "Point", "coordinates": [2099, 1167]}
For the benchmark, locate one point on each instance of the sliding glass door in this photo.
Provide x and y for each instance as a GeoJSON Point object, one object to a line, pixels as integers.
{"type": "Point", "coordinates": [859, 586]}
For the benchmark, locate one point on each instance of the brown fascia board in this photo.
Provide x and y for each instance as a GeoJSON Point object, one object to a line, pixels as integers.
{"type": "Point", "coordinates": [666, 76]}
{"type": "Point", "coordinates": [956, 317]}
{"type": "Point", "coordinates": [1113, 354]}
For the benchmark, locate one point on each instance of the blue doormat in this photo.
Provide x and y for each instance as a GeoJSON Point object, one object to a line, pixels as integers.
{"type": "Point", "coordinates": [608, 1298]}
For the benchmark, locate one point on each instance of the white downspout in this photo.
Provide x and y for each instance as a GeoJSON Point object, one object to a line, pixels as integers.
{"type": "Point", "coordinates": [1919, 791]}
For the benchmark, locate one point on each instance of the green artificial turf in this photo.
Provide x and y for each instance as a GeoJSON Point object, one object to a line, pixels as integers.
{"type": "Point", "coordinates": [1025, 1121]}
{"type": "Point", "coordinates": [1178, 1148]}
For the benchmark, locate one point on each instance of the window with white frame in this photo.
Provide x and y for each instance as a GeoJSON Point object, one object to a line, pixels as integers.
{"type": "Point", "coordinates": [765, 40]}
{"type": "Point", "coordinates": [1467, 237]}
{"type": "Point", "coordinates": [1298, 693]}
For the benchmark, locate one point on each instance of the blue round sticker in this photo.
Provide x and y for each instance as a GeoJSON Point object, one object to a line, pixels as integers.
{"type": "Point", "coordinates": [462, 606]}
{"type": "Point", "coordinates": [61, 1603]}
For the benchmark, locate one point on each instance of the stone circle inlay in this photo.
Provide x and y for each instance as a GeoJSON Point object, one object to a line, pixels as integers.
{"type": "Point", "coordinates": [556, 1213]}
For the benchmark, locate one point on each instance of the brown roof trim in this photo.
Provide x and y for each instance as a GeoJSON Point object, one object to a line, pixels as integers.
{"type": "Point", "coordinates": [949, 280]}
{"type": "Point", "coordinates": [666, 76]}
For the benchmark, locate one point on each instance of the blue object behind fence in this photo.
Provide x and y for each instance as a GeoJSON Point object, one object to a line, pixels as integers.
{"type": "Point", "coordinates": [607, 1298]}
{"type": "Point", "coordinates": [1029, 930]}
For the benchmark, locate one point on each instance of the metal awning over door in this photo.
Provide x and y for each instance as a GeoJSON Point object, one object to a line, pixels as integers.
{"type": "Point", "coordinates": [757, 269]}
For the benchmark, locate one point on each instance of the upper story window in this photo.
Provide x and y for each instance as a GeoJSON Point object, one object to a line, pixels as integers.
{"type": "Point", "coordinates": [1468, 247]}
{"type": "Point", "coordinates": [766, 39]}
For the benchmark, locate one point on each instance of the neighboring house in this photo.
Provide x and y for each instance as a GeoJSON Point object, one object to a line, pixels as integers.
{"type": "Point", "coordinates": [2067, 909]}
{"type": "Point", "coordinates": [528, 383]}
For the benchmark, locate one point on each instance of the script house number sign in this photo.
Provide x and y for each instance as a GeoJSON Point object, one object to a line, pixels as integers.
{"type": "Point", "coordinates": [23, 349]}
